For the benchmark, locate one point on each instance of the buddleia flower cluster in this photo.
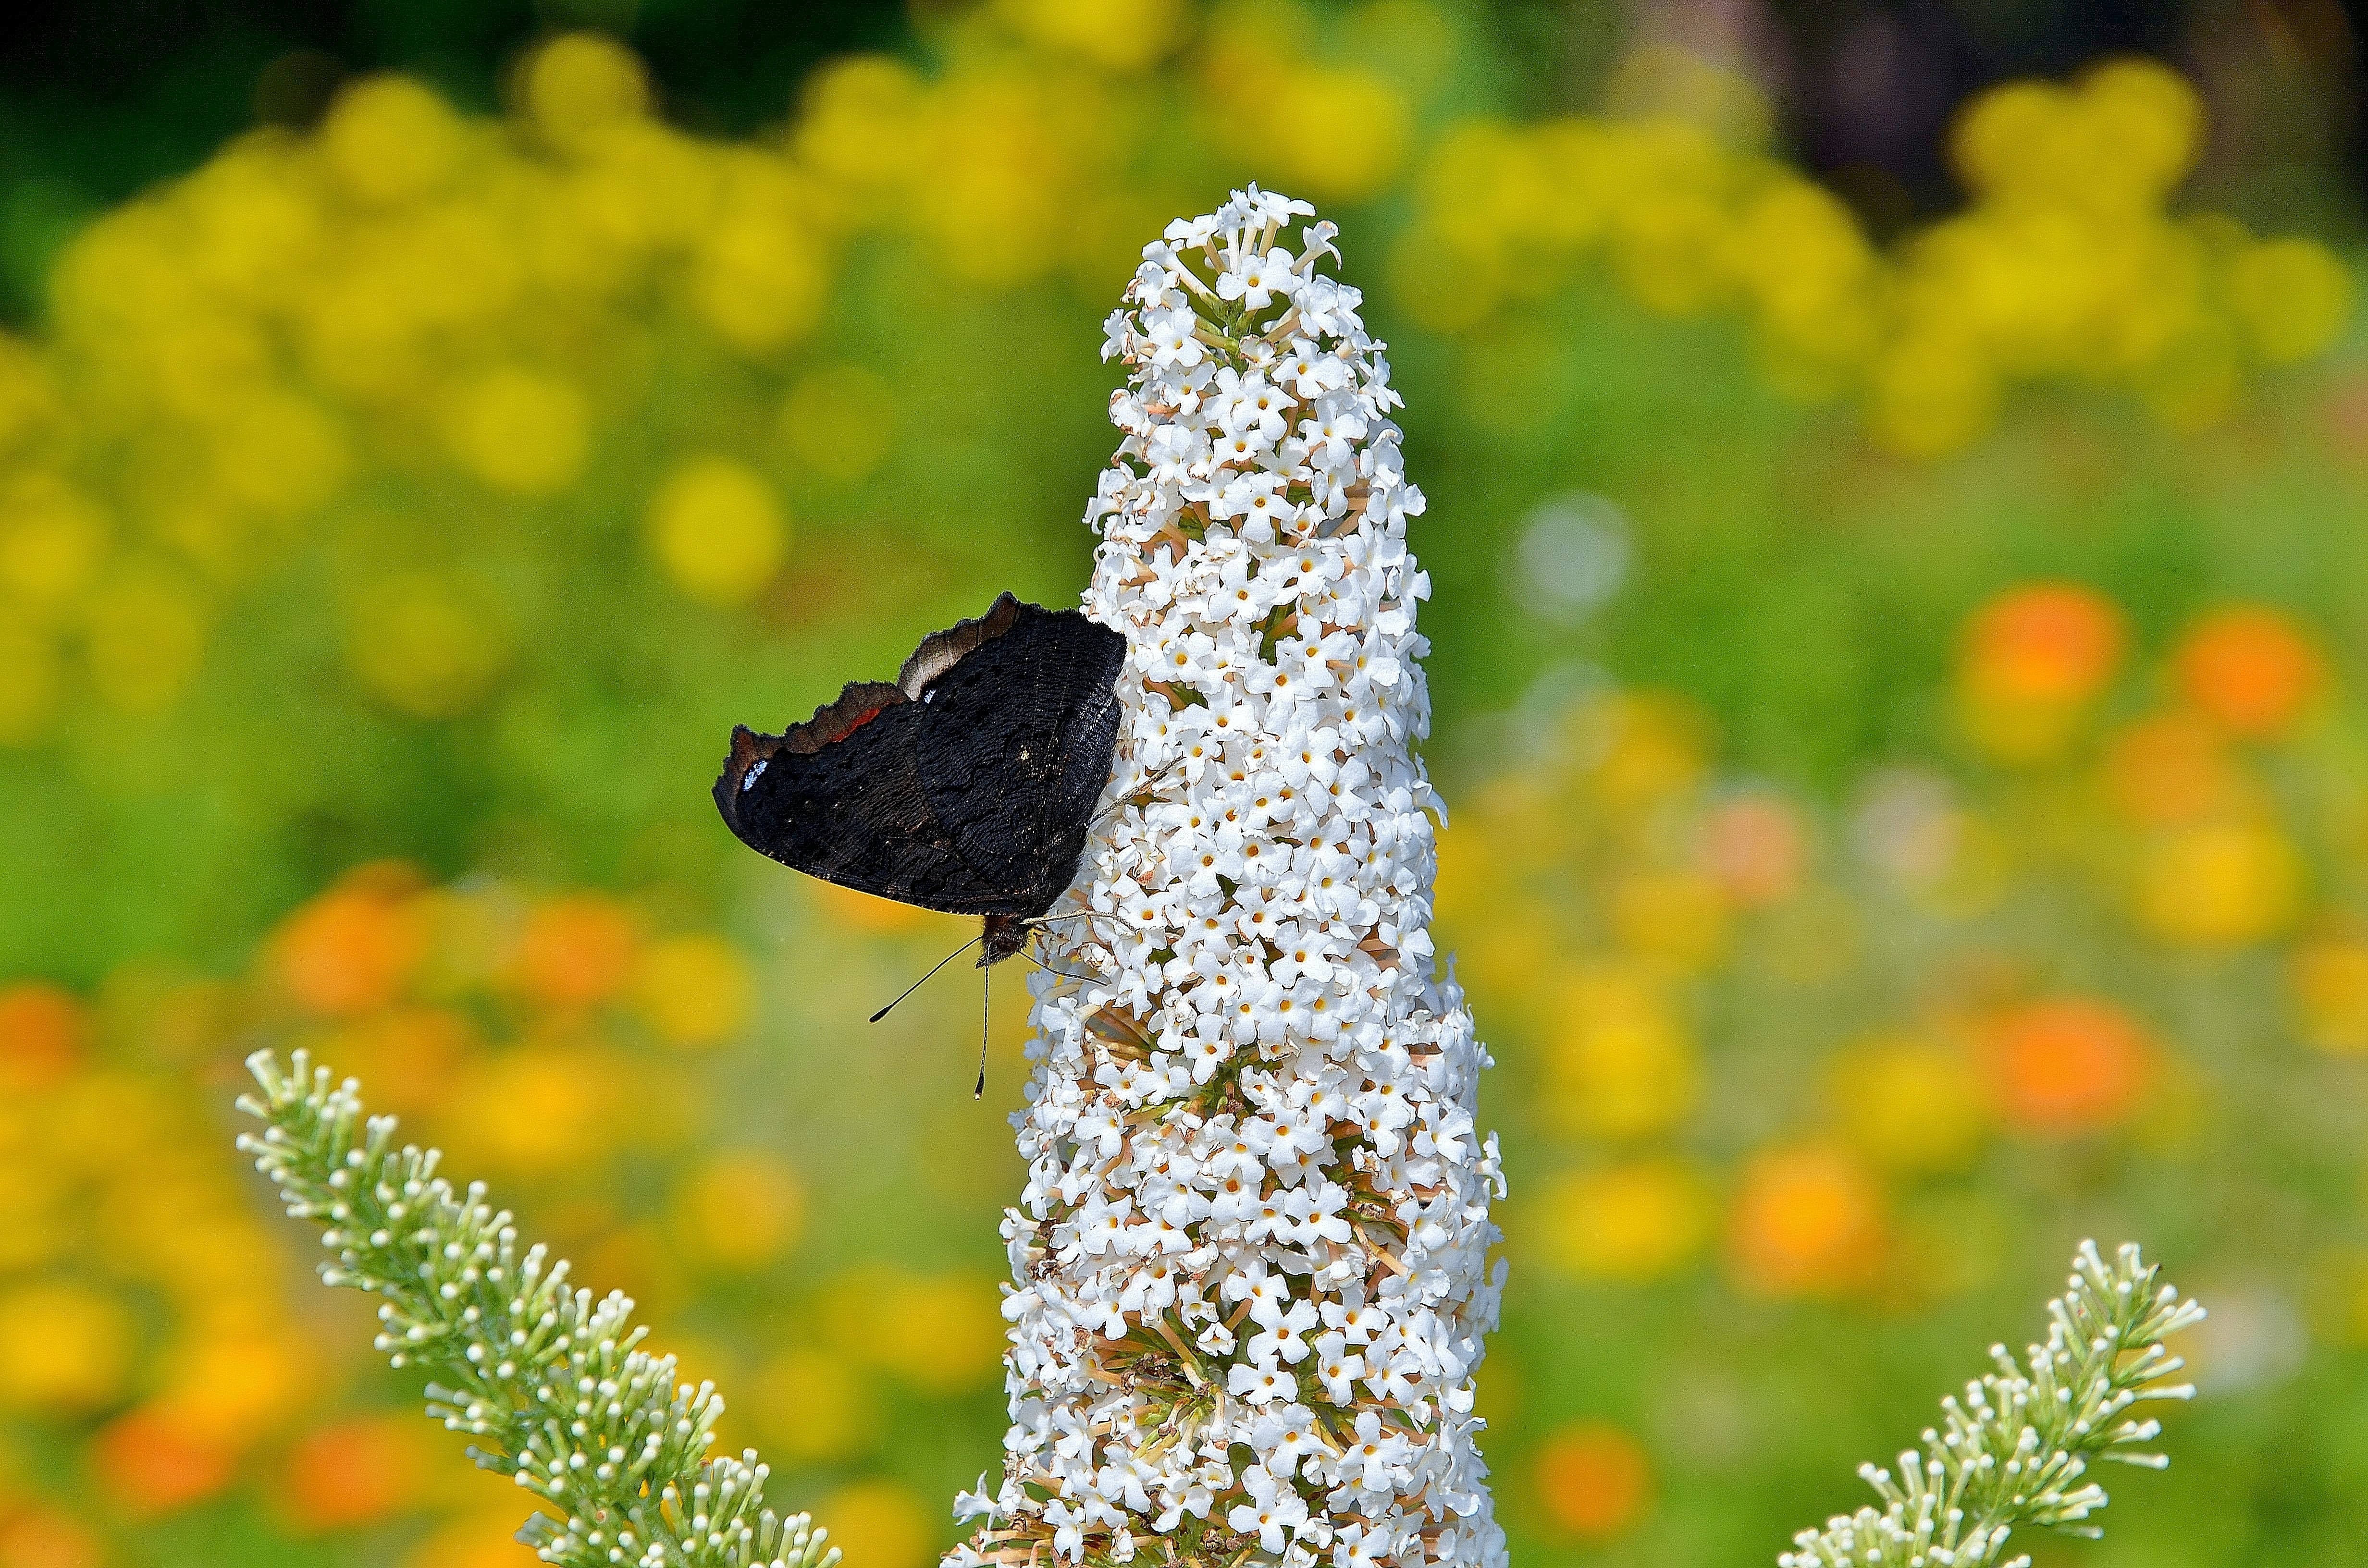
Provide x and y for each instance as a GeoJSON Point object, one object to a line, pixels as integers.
{"type": "Point", "coordinates": [1250, 1272]}
{"type": "Point", "coordinates": [2014, 1451]}
{"type": "Point", "coordinates": [549, 1383]}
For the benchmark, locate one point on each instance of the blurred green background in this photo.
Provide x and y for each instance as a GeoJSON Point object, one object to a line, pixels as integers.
{"type": "Point", "coordinates": [1897, 475]}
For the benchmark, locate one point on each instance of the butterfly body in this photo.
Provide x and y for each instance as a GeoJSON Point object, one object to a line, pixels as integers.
{"type": "Point", "coordinates": [967, 785]}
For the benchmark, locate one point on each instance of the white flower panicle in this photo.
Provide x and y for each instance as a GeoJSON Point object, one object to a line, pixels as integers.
{"type": "Point", "coordinates": [2013, 1450]}
{"type": "Point", "coordinates": [1250, 1273]}
{"type": "Point", "coordinates": [548, 1379]}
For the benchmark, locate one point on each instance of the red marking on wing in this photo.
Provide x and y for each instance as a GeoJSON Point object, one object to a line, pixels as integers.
{"type": "Point", "coordinates": [860, 721]}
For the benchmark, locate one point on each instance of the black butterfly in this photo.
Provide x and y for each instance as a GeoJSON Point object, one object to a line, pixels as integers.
{"type": "Point", "coordinates": [967, 785]}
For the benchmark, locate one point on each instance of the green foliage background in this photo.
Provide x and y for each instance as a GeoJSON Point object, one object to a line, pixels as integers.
{"type": "Point", "coordinates": [402, 500]}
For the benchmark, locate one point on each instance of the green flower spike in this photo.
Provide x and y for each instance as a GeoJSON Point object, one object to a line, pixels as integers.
{"type": "Point", "coordinates": [549, 1383]}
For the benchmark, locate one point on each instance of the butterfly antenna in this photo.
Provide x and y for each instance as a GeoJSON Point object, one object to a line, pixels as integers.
{"type": "Point", "coordinates": [925, 979]}
{"type": "Point", "coordinates": [986, 1017]}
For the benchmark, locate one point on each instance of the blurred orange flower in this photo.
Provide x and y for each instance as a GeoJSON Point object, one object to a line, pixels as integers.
{"type": "Point", "coordinates": [354, 1472]}
{"type": "Point", "coordinates": [153, 1464]}
{"type": "Point", "coordinates": [2171, 768]}
{"type": "Point", "coordinates": [42, 1032]}
{"type": "Point", "coordinates": [2066, 1065]}
{"type": "Point", "coordinates": [405, 1055]}
{"type": "Point", "coordinates": [353, 947]}
{"type": "Point", "coordinates": [43, 1537]}
{"type": "Point", "coordinates": [2043, 643]}
{"type": "Point", "coordinates": [2249, 669]}
{"type": "Point", "coordinates": [1594, 1480]}
{"type": "Point", "coordinates": [1808, 1221]}
{"type": "Point", "coordinates": [1754, 847]}
{"type": "Point", "coordinates": [577, 950]}
{"type": "Point", "coordinates": [2029, 661]}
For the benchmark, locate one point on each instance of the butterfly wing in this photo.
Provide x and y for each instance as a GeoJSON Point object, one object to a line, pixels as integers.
{"type": "Point", "coordinates": [840, 798]}
{"type": "Point", "coordinates": [969, 795]}
{"type": "Point", "coordinates": [1015, 741]}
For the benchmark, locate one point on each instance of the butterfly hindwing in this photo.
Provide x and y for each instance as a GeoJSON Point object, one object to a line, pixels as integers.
{"type": "Point", "coordinates": [967, 785]}
{"type": "Point", "coordinates": [1016, 745]}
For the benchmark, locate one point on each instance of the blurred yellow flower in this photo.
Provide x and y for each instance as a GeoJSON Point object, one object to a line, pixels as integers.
{"type": "Point", "coordinates": [718, 529]}
{"type": "Point", "coordinates": [28, 680]}
{"type": "Point", "coordinates": [693, 989]}
{"type": "Point", "coordinates": [1621, 1065]}
{"type": "Point", "coordinates": [519, 430]}
{"type": "Point", "coordinates": [1647, 747]}
{"type": "Point", "coordinates": [880, 1524]}
{"type": "Point", "coordinates": [1929, 392]}
{"type": "Point", "coordinates": [861, 128]}
{"type": "Point", "coordinates": [390, 138]}
{"type": "Point", "coordinates": [2329, 979]}
{"type": "Point", "coordinates": [147, 632]}
{"type": "Point", "coordinates": [582, 82]}
{"type": "Point", "coordinates": [534, 1110]}
{"type": "Point", "coordinates": [1678, 918]}
{"type": "Point", "coordinates": [1909, 1105]}
{"type": "Point", "coordinates": [757, 276]}
{"type": "Point", "coordinates": [2293, 296]}
{"type": "Point", "coordinates": [814, 1408]}
{"type": "Point", "coordinates": [232, 1382]}
{"type": "Point", "coordinates": [2220, 885]}
{"type": "Point", "coordinates": [65, 1347]}
{"type": "Point", "coordinates": [1116, 35]}
{"type": "Point", "coordinates": [1633, 1222]}
{"type": "Point", "coordinates": [277, 455]}
{"type": "Point", "coordinates": [426, 643]}
{"type": "Point", "coordinates": [739, 1212]}
{"type": "Point", "coordinates": [52, 537]}
{"type": "Point", "coordinates": [943, 1334]}
{"type": "Point", "coordinates": [486, 1538]}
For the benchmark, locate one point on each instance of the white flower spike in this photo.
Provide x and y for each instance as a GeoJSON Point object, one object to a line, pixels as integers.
{"type": "Point", "coordinates": [1257, 1212]}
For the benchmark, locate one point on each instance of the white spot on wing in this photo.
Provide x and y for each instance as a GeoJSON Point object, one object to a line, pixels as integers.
{"type": "Point", "coordinates": [754, 768]}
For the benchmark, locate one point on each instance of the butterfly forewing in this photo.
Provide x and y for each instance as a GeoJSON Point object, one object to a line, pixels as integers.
{"type": "Point", "coordinates": [966, 787]}
{"type": "Point", "coordinates": [1018, 737]}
